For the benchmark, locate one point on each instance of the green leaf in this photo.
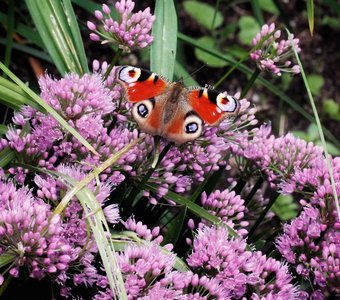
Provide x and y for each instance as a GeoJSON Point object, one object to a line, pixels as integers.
{"type": "Point", "coordinates": [255, 4]}
{"type": "Point", "coordinates": [57, 26]}
{"type": "Point", "coordinates": [248, 29]}
{"type": "Point", "coordinates": [10, 31]}
{"type": "Point", "coordinates": [330, 21]}
{"type": "Point", "coordinates": [14, 97]}
{"type": "Point", "coordinates": [310, 14]}
{"type": "Point", "coordinates": [182, 73]}
{"type": "Point", "coordinates": [316, 83]}
{"type": "Point", "coordinates": [6, 156]}
{"type": "Point", "coordinates": [164, 31]}
{"type": "Point", "coordinates": [237, 51]}
{"type": "Point", "coordinates": [203, 14]}
{"type": "Point", "coordinates": [301, 135]}
{"type": "Point", "coordinates": [332, 150]}
{"type": "Point", "coordinates": [332, 109]}
{"type": "Point", "coordinates": [174, 228]}
{"type": "Point", "coordinates": [313, 132]}
{"type": "Point", "coordinates": [210, 60]}
{"type": "Point", "coordinates": [3, 129]}
{"type": "Point", "coordinates": [30, 50]}
{"type": "Point", "coordinates": [25, 31]}
{"type": "Point", "coordinates": [269, 6]}
{"type": "Point", "coordinates": [285, 207]}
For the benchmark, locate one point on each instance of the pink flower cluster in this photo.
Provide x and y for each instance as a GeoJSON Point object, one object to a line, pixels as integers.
{"type": "Point", "coordinates": [131, 31]}
{"type": "Point", "coordinates": [311, 243]}
{"type": "Point", "coordinates": [240, 271]}
{"type": "Point", "coordinates": [31, 239]}
{"type": "Point", "coordinates": [273, 55]}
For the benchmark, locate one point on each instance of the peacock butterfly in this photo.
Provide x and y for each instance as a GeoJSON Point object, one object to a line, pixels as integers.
{"type": "Point", "coordinates": [170, 110]}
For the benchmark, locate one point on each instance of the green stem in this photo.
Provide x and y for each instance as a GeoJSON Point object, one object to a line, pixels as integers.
{"type": "Point", "coordinates": [113, 63]}
{"type": "Point", "coordinates": [250, 83]}
{"type": "Point", "coordinates": [10, 31]}
{"type": "Point", "coordinates": [235, 66]}
{"type": "Point", "coordinates": [251, 194]}
{"type": "Point", "coordinates": [318, 123]}
{"type": "Point", "coordinates": [145, 179]}
{"type": "Point", "coordinates": [263, 214]}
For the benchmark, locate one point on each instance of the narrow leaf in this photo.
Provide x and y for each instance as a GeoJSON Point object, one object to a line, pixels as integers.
{"type": "Point", "coordinates": [10, 31]}
{"type": "Point", "coordinates": [164, 31]}
{"type": "Point", "coordinates": [55, 23]}
{"type": "Point", "coordinates": [310, 14]}
{"type": "Point", "coordinates": [255, 4]}
{"type": "Point", "coordinates": [14, 97]}
{"type": "Point", "coordinates": [204, 14]}
{"type": "Point", "coordinates": [6, 156]}
{"type": "Point", "coordinates": [318, 123]}
{"type": "Point", "coordinates": [33, 96]}
{"type": "Point", "coordinates": [193, 207]}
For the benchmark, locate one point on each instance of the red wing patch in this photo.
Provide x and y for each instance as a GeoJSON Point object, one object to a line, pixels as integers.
{"type": "Point", "coordinates": [204, 107]}
{"type": "Point", "coordinates": [142, 90]}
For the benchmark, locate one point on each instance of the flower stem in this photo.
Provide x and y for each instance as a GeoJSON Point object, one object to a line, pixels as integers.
{"type": "Point", "coordinates": [224, 77]}
{"type": "Point", "coordinates": [134, 192]}
{"type": "Point", "coordinates": [113, 63]}
{"type": "Point", "coordinates": [251, 194]}
{"type": "Point", "coordinates": [263, 214]}
{"type": "Point", "coordinates": [250, 83]}
{"type": "Point", "coordinates": [318, 123]}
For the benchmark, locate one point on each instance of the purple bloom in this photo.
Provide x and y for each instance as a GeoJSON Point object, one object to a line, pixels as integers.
{"type": "Point", "coordinates": [141, 266]}
{"type": "Point", "coordinates": [312, 244]}
{"type": "Point", "coordinates": [228, 207]}
{"type": "Point", "coordinates": [30, 237]}
{"type": "Point", "coordinates": [278, 158]}
{"type": "Point", "coordinates": [239, 270]}
{"type": "Point", "coordinates": [273, 55]}
{"type": "Point", "coordinates": [131, 31]}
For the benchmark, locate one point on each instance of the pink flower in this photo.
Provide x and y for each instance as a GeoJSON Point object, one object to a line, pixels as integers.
{"type": "Point", "coordinates": [131, 31]}
{"type": "Point", "coordinates": [273, 55]}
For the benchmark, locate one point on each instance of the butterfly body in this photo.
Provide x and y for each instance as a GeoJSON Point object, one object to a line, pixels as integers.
{"type": "Point", "coordinates": [169, 109]}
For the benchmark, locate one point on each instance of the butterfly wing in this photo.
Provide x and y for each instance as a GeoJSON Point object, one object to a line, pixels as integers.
{"type": "Point", "coordinates": [140, 84]}
{"type": "Point", "coordinates": [212, 106]}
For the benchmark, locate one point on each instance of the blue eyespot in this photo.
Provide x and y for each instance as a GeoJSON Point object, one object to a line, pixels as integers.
{"type": "Point", "coordinates": [142, 110]}
{"type": "Point", "coordinates": [191, 127]}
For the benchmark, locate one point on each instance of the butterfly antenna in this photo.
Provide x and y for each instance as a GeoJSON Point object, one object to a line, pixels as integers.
{"type": "Point", "coordinates": [190, 75]}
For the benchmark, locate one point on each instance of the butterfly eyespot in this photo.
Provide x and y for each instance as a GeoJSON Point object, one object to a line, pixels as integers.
{"type": "Point", "coordinates": [191, 127]}
{"type": "Point", "coordinates": [129, 74]}
{"type": "Point", "coordinates": [226, 102]}
{"type": "Point", "coordinates": [142, 110]}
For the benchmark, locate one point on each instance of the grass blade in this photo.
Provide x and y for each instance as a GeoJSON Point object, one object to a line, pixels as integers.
{"type": "Point", "coordinates": [310, 14]}
{"type": "Point", "coordinates": [193, 207]}
{"type": "Point", "coordinates": [164, 31]}
{"type": "Point", "coordinates": [10, 31]}
{"type": "Point", "coordinates": [101, 232]}
{"type": "Point", "coordinates": [318, 123]}
{"type": "Point", "coordinates": [6, 156]}
{"type": "Point", "coordinates": [255, 4]}
{"type": "Point", "coordinates": [35, 98]}
{"type": "Point", "coordinates": [54, 23]}
{"type": "Point", "coordinates": [30, 51]}
{"type": "Point", "coordinates": [14, 97]}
